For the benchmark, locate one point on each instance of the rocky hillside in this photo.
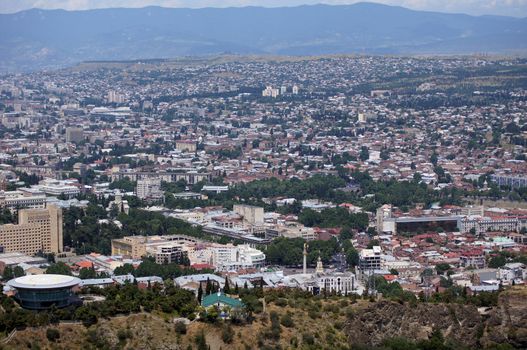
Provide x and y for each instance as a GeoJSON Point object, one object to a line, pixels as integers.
{"type": "Point", "coordinates": [387, 319]}
{"type": "Point", "coordinates": [460, 324]}
{"type": "Point", "coordinates": [508, 322]}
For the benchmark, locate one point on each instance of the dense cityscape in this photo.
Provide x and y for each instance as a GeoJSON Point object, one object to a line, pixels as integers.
{"type": "Point", "coordinates": [217, 190]}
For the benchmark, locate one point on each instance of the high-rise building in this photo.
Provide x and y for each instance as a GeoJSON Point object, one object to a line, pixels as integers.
{"type": "Point", "coordinates": [37, 230]}
{"type": "Point", "coordinates": [74, 134]}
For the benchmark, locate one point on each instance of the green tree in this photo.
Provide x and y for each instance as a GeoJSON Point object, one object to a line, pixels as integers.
{"type": "Point", "coordinates": [8, 273]}
{"type": "Point", "coordinates": [59, 268]}
{"type": "Point", "coordinates": [497, 261]}
{"type": "Point", "coordinates": [364, 153]}
{"type": "Point", "coordinates": [18, 271]}
{"type": "Point", "coordinates": [87, 273]}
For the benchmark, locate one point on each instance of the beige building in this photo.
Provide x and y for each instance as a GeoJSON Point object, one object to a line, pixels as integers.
{"type": "Point", "coordinates": [186, 146]}
{"type": "Point", "coordinates": [132, 246]}
{"type": "Point", "coordinates": [37, 230]}
{"type": "Point", "coordinates": [251, 214]}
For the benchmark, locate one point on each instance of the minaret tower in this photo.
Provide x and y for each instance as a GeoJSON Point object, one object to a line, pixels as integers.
{"type": "Point", "coordinates": [305, 259]}
{"type": "Point", "coordinates": [320, 267]}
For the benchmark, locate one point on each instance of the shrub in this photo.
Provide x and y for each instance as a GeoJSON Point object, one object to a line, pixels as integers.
{"type": "Point", "coordinates": [339, 325]}
{"type": "Point", "coordinates": [287, 321]}
{"type": "Point", "coordinates": [314, 314]}
{"type": "Point", "coordinates": [123, 334]}
{"type": "Point", "coordinates": [52, 334]}
{"type": "Point", "coordinates": [308, 339]}
{"type": "Point", "coordinates": [281, 302]}
{"type": "Point", "coordinates": [227, 334]}
{"type": "Point", "coordinates": [180, 327]}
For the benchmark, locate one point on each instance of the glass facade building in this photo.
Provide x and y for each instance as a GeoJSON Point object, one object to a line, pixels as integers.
{"type": "Point", "coordinates": [41, 292]}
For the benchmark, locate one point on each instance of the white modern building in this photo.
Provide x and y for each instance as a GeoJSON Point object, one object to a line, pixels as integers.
{"type": "Point", "coordinates": [54, 187]}
{"type": "Point", "coordinates": [370, 259]}
{"type": "Point", "coordinates": [229, 257]}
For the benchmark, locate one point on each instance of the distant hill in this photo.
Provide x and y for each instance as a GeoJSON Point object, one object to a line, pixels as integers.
{"type": "Point", "coordinates": [51, 38]}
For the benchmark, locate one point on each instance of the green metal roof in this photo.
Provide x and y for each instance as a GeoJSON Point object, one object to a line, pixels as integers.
{"type": "Point", "coordinates": [214, 299]}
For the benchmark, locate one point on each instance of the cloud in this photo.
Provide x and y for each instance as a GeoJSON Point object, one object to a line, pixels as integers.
{"type": "Point", "coordinates": [475, 7]}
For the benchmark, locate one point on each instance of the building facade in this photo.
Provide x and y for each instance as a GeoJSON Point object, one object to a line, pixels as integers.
{"type": "Point", "coordinates": [149, 188]}
{"type": "Point", "coordinates": [37, 230]}
{"type": "Point", "coordinates": [132, 246]}
{"type": "Point", "coordinates": [14, 200]}
{"type": "Point", "coordinates": [170, 254]}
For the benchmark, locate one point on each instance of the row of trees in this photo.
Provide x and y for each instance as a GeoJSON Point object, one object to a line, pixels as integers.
{"type": "Point", "coordinates": [83, 231]}
{"type": "Point", "coordinates": [333, 217]}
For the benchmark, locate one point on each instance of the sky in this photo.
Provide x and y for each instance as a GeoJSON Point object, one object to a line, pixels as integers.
{"type": "Point", "coordinates": [517, 8]}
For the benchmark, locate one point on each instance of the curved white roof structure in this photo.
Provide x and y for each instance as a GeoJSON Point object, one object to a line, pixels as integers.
{"type": "Point", "coordinates": [44, 282]}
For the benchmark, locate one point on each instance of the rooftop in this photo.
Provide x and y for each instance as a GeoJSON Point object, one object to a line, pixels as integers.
{"type": "Point", "coordinates": [44, 281]}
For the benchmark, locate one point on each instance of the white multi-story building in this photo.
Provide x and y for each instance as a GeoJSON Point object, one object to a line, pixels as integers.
{"type": "Point", "coordinates": [149, 188]}
{"type": "Point", "coordinates": [370, 259]}
{"type": "Point", "coordinates": [323, 281]}
{"type": "Point", "coordinates": [14, 200]}
{"type": "Point", "coordinates": [54, 187]}
{"type": "Point", "coordinates": [229, 257]}
{"type": "Point", "coordinates": [295, 90]}
{"type": "Point", "coordinates": [251, 214]}
{"type": "Point", "coordinates": [115, 97]}
{"type": "Point", "coordinates": [269, 91]}
{"type": "Point", "coordinates": [484, 224]}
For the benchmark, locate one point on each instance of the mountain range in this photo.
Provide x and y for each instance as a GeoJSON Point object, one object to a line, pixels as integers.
{"type": "Point", "coordinates": [36, 39]}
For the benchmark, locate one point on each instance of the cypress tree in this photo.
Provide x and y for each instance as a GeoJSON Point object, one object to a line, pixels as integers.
{"type": "Point", "coordinates": [227, 288]}
{"type": "Point", "coordinates": [200, 293]}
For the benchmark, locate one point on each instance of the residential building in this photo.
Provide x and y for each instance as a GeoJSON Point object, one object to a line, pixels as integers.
{"type": "Point", "coordinates": [370, 259]}
{"type": "Point", "coordinates": [149, 188]}
{"type": "Point", "coordinates": [171, 253]}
